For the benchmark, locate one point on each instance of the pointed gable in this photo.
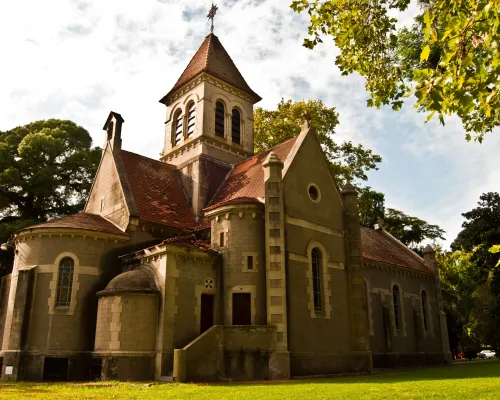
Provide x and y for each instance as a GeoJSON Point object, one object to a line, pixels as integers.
{"type": "Point", "coordinates": [213, 59]}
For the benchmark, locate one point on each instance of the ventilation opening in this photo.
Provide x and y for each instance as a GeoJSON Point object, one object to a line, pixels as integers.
{"type": "Point", "coordinates": [55, 369]}
{"type": "Point", "coordinates": [96, 369]}
{"type": "Point", "coordinates": [313, 193]}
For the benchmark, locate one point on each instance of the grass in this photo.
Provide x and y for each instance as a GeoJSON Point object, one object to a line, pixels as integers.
{"type": "Point", "coordinates": [465, 381]}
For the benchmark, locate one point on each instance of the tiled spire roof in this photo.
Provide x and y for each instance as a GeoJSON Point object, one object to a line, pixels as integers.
{"type": "Point", "coordinates": [213, 59]}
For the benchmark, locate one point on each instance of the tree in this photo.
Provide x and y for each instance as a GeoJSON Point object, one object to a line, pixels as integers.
{"type": "Point", "coordinates": [46, 169]}
{"type": "Point", "coordinates": [448, 59]}
{"type": "Point", "coordinates": [272, 127]}
{"type": "Point", "coordinates": [480, 232]}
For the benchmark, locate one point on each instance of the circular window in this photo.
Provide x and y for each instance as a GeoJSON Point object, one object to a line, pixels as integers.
{"type": "Point", "coordinates": [314, 193]}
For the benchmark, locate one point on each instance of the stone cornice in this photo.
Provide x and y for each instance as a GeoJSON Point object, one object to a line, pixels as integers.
{"type": "Point", "coordinates": [34, 233]}
{"type": "Point", "coordinates": [204, 77]}
{"type": "Point", "coordinates": [397, 269]}
{"type": "Point", "coordinates": [224, 211]}
{"type": "Point", "coordinates": [211, 140]}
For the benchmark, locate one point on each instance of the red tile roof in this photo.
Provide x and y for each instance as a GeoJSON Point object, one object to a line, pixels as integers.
{"type": "Point", "coordinates": [247, 178]}
{"type": "Point", "coordinates": [379, 246]}
{"type": "Point", "coordinates": [192, 242]}
{"type": "Point", "coordinates": [83, 220]}
{"type": "Point", "coordinates": [213, 59]}
{"type": "Point", "coordinates": [157, 191]}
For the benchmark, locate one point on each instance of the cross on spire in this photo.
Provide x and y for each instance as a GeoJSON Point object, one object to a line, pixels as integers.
{"type": "Point", "coordinates": [211, 16]}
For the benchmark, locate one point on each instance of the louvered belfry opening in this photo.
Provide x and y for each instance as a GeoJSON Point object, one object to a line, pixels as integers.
{"type": "Point", "coordinates": [191, 119]}
{"type": "Point", "coordinates": [219, 119]}
{"type": "Point", "coordinates": [178, 127]}
{"type": "Point", "coordinates": [235, 129]}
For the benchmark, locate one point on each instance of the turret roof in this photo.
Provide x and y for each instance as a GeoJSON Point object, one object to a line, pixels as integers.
{"type": "Point", "coordinates": [213, 59]}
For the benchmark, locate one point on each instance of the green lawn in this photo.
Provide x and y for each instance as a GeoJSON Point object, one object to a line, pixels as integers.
{"type": "Point", "coordinates": [480, 380]}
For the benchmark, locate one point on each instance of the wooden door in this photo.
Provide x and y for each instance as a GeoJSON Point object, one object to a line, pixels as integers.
{"type": "Point", "coordinates": [242, 309]}
{"type": "Point", "coordinates": [207, 312]}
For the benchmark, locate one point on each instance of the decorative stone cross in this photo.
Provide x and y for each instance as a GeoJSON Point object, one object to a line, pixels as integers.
{"type": "Point", "coordinates": [209, 283]}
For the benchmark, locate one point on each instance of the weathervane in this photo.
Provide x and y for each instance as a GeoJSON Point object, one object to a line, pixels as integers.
{"type": "Point", "coordinates": [211, 15]}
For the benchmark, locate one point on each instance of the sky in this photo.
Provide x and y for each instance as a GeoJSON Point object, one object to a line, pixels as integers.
{"type": "Point", "coordinates": [80, 59]}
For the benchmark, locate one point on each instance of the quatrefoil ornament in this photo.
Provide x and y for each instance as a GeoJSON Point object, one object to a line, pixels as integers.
{"type": "Point", "coordinates": [209, 283]}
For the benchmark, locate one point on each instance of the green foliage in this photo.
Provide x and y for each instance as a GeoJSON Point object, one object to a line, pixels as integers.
{"type": "Point", "coordinates": [272, 127]}
{"type": "Point", "coordinates": [410, 230]}
{"type": "Point", "coordinates": [371, 206]}
{"type": "Point", "coordinates": [448, 59]}
{"type": "Point", "coordinates": [46, 169]}
{"type": "Point", "coordinates": [480, 232]}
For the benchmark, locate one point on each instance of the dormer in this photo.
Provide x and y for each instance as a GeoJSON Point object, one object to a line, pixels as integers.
{"type": "Point", "coordinates": [209, 109]}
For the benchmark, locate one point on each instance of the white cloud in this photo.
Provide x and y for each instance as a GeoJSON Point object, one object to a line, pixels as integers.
{"type": "Point", "coordinates": [79, 59]}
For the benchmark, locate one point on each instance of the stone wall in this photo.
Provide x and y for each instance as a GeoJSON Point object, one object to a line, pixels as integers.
{"type": "Point", "coordinates": [411, 344]}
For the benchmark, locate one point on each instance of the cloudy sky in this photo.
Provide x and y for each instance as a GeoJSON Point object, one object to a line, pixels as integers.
{"type": "Point", "coordinates": [79, 59]}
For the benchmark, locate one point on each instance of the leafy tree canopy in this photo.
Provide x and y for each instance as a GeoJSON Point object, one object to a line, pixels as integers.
{"type": "Point", "coordinates": [272, 127]}
{"type": "Point", "coordinates": [448, 59]}
{"type": "Point", "coordinates": [481, 230]}
{"type": "Point", "coordinates": [46, 169]}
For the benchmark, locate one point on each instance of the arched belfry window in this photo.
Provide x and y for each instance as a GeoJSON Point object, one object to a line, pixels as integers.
{"type": "Point", "coordinates": [191, 119]}
{"type": "Point", "coordinates": [178, 127]}
{"type": "Point", "coordinates": [235, 126]}
{"type": "Point", "coordinates": [425, 309]}
{"type": "Point", "coordinates": [65, 282]}
{"type": "Point", "coordinates": [316, 277]}
{"type": "Point", "coordinates": [219, 119]}
{"type": "Point", "coordinates": [396, 299]}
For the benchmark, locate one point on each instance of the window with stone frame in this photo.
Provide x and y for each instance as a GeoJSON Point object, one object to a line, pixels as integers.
{"type": "Point", "coordinates": [191, 119]}
{"type": "Point", "coordinates": [316, 278]}
{"type": "Point", "coordinates": [396, 300]}
{"type": "Point", "coordinates": [236, 126]}
{"type": "Point", "coordinates": [219, 118]}
{"type": "Point", "coordinates": [65, 282]}
{"type": "Point", "coordinates": [425, 310]}
{"type": "Point", "coordinates": [178, 127]}
{"type": "Point", "coordinates": [222, 239]}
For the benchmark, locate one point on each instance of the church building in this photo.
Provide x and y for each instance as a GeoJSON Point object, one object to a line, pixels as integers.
{"type": "Point", "coordinates": [213, 263]}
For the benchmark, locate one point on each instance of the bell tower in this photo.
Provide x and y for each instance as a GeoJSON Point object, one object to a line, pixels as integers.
{"type": "Point", "coordinates": [209, 121]}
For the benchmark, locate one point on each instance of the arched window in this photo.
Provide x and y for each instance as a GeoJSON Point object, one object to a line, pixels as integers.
{"type": "Point", "coordinates": [191, 119]}
{"type": "Point", "coordinates": [177, 127]}
{"type": "Point", "coordinates": [219, 119]}
{"type": "Point", "coordinates": [316, 277]}
{"type": "Point", "coordinates": [396, 299]}
{"type": "Point", "coordinates": [235, 126]}
{"type": "Point", "coordinates": [367, 306]}
{"type": "Point", "coordinates": [65, 282]}
{"type": "Point", "coordinates": [424, 309]}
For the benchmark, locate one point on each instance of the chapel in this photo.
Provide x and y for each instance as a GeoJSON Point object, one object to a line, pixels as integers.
{"type": "Point", "coordinates": [214, 263]}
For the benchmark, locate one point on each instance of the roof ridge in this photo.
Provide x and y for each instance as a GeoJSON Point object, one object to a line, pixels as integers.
{"type": "Point", "coordinates": [266, 151]}
{"type": "Point", "coordinates": [150, 159]}
{"type": "Point", "coordinates": [403, 245]}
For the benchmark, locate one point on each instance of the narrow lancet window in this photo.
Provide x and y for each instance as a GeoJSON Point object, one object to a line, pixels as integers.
{"type": "Point", "coordinates": [219, 119]}
{"type": "Point", "coordinates": [65, 282]}
{"type": "Point", "coordinates": [316, 277]}
{"type": "Point", "coordinates": [235, 128]}
{"type": "Point", "coordinates": [396, 298]}
{"type": "Point", "coordinates": [191, 119]}
{"type": "Point", "coordinates": [424, 309]}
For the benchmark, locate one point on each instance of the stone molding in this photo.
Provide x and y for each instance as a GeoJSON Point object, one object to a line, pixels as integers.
{"type": "Point", "coordinates": [397, 270]}
{"type": "Point", "coordinates": [313, 226]}
{"type": "Point", "coordinates": [369, 306]}
{"type": "Point", "coordinates": [244, 262]}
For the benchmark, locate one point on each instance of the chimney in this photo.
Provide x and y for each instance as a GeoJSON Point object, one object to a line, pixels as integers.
{"type": "Point", "coordinates": [430, 257]}
{"type": "Point", "coordinates": [113, 128]}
